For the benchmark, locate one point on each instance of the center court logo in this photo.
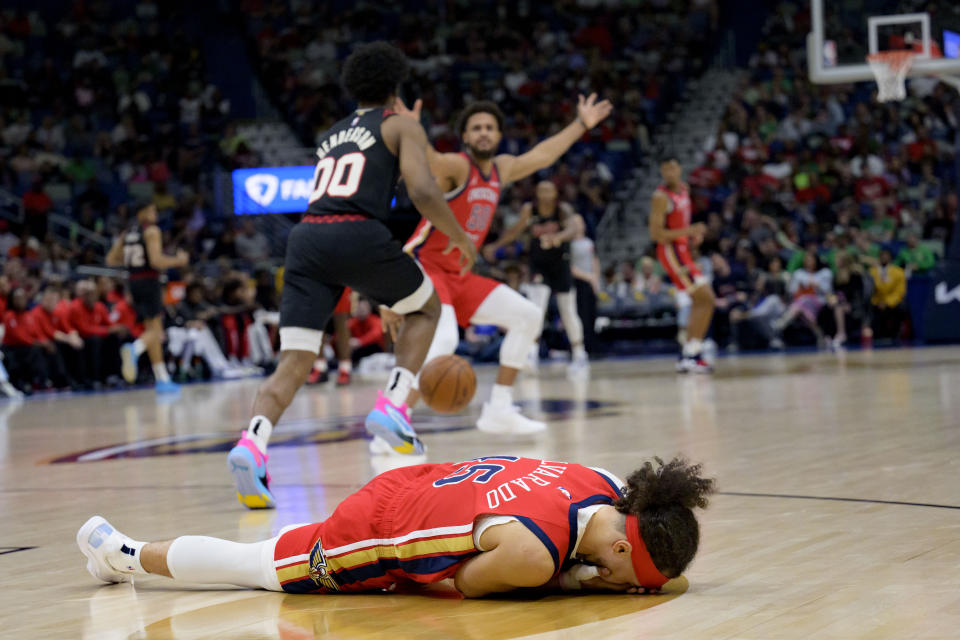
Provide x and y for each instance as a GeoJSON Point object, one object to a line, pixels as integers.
{"type": "Point", "coordinates": [311, 432]}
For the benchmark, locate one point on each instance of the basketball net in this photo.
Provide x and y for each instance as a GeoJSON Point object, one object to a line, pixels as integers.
{"type": "Point", "coordinates": [890, 69]}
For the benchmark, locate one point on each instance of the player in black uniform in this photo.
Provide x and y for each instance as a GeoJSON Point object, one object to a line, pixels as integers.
{"type": "Point", "coordinates": [342, 241]}
{"type": "Point", "coordinates": [140, 251]}
{"type": "Point", "coordinates": [552, 226]}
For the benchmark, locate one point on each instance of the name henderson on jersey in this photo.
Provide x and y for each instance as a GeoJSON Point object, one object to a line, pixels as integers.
{"type": "Point", "coordinates": [359, 135]}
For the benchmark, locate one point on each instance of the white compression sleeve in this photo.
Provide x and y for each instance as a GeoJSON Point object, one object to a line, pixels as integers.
{"type": "Point", "coordinates": [522, 319]}
{"type": "Point", "coordinates": [205, 560]}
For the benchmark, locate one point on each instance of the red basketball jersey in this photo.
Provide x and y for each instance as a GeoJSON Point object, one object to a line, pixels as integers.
{"type": "Point", "coordinates": [416, 523]}
{"type": "Point", "coordinates": [680, 212]}
{"type": "Point", "coordinates": [473, 204]}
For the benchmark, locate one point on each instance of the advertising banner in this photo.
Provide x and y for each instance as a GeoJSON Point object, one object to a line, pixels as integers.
{"type": "Point", "coordinates": [272, 189]}
{"type": "Point", "coordinates": [941, 318]}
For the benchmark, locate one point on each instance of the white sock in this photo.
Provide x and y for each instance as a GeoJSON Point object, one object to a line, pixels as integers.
{"type": "Point", "coordinates": [259, 431]}
{"type": "Point", "coordinates": [127, 558]}
{"type": "Point", "coordinates": [160, 372]}
{"type": "Point", "coordinates": [579, 353]}
{"type": "Point", "coordinates": [320, 364]}
{"type": "Point", "coordinates": [501, 396]}
{"type": "Point", "coordinates": [692, 348]}
{"type": "Point", "coordinates": [398, 386]}
{"type": "Point", "coordinates": [138, 348]}
{"type": "Point", "coordinates": [204, 560]}
{"type": "Point", "coordinates": [345, 365]}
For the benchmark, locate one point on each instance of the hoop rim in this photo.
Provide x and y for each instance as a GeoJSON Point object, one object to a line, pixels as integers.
{"type": "Point", "coordinates": [895, 59]}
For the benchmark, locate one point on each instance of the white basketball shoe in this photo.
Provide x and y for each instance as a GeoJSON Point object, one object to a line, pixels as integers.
{"type": "Point", "coordinates": [105, 549]}
{"type": "Point", "coordinates": [507, 420]}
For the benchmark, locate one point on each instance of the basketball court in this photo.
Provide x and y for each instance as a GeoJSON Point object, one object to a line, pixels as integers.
{"type": "Point", "coordinates": [837, 515]}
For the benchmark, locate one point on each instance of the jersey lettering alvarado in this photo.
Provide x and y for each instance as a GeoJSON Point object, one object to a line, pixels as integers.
{"type": "Point", "coordinates": [473, 204]}
{"type": "Point", "coordinates": [415, 524]}
{"type": "Point", "coordinates": [356, 173]}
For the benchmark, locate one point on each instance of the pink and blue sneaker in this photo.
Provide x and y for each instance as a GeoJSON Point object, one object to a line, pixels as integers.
{"type": "Point", "coordinates": [249, 468]}
{"type": "Point", "coordinates": [392, 424]}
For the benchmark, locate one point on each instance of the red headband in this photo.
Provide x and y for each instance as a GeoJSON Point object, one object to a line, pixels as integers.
{"type": "Point", "coordinates": [643, 566]}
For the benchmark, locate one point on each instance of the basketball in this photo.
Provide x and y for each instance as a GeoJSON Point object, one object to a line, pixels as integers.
{"type": "Point", "coordinates": [447, 383]}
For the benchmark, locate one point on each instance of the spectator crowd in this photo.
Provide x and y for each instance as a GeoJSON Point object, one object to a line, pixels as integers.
{"type": "Point", "coordinates": [109, 101]}
{"type": "Point", "coordinates": [821, 204]}
{"type": "Point", "coordinates": [530, 58]}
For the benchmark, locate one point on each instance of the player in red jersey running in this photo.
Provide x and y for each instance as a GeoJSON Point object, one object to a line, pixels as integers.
{"type": "Point", "coordinates": [670, 228]}
{"type": "Point", "coordinates": [493, 524]}
{"type": "Point", "coordinates": [473, 181]}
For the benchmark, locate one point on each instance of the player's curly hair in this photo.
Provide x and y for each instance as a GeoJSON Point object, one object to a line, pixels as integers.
{"type": "Point", "coordinates": [373, 72]}
{"type": "Point", "coordinates": [481, 106]}
{"type": "Point", "coordinates": [663, 499]}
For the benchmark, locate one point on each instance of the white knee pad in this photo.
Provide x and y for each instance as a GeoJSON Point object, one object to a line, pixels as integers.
{"type": "Point", "coordinates": [521, 318]}
{"type": "Point", "coordinates": [300, 339]}
{"type": "Point", "coordinates": [567, 305]}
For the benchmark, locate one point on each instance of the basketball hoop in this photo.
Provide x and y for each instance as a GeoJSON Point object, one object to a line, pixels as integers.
{"type": "Point", "coordinates": [890, 69]}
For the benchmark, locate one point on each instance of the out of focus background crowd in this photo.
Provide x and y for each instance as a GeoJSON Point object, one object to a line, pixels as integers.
{"type": "Point", "coordinates": [822, 207]}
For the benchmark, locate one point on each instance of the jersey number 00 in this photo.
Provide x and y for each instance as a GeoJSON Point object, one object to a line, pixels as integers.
{"type": "Point", "coordinates": [338, 177]}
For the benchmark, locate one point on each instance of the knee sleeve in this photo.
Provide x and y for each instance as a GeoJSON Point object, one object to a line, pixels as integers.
{"type": "Point", "coordinates": [521, 318]}
{"type": "Point", "coordinates": [205, 560]}
{"type": "Point", "coordinates": [567, 304]}
{"type": "Point", "coordinates": [300, 339]}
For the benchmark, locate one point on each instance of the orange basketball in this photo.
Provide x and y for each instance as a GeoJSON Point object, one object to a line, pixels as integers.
{"type": "Point", "coordinates": [447, 383]}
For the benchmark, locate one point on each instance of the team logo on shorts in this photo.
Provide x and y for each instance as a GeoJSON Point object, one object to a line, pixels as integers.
{"type": "Point", "coordinates": [318, 568]}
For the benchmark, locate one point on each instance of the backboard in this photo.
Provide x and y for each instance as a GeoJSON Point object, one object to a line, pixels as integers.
{"type": "Point", "coordinates": [844, 32]}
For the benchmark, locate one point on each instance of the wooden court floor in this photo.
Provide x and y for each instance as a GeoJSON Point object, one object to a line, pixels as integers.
{"type": "Point", "coordinates": [839, 512]}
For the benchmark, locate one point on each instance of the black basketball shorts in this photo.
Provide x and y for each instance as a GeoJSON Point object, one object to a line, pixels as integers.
{"type": "Point", "coordinates": [324, 257]}
{"type": "Point", "coordinates": [147, 297]}
{"type": "Point", "coordinates": [555, 273]}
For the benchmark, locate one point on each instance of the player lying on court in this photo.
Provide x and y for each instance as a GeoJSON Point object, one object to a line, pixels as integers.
{"type": "Point", "coordinates": [493, 524]}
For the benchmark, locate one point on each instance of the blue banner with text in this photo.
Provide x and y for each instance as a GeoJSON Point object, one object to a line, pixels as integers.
{"type": "Point", "coordinates": [272, 189]}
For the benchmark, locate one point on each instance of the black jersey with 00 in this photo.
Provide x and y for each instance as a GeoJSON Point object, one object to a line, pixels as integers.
{"type": "Point", "coordinates": [356, 172]}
